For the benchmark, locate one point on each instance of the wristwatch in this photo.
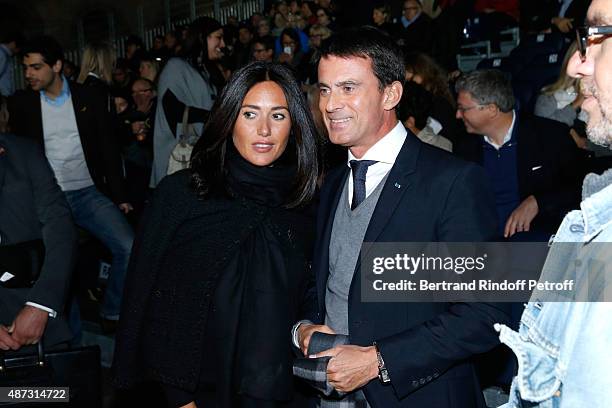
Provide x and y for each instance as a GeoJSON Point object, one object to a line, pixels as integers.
{"type": "Point", "coordinates": [383, 374]}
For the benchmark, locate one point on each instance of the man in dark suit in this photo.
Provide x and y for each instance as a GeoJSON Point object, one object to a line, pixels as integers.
{"type": "Point", "coordinates": [394, 188]}
{"type": "Point", "coordinates": [74, 126]}
{"type": "Point", "coordinates": [32, 207]}
{"type": "Point", "coordinates": [417, 30]}
{"type": "Point", "coordinates": [532, 163]}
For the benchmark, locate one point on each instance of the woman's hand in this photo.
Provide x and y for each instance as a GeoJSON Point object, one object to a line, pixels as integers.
{"type": "Point", "coordinates": [190, 405]}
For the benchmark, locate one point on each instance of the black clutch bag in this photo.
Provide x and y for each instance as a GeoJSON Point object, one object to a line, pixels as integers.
{"type": "Point", "coordinates": [75, 368]}
{"type": "Point", "coordinates": [23, 261]}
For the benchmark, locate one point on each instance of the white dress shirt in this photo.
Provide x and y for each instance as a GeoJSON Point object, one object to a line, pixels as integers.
{"type": "Point", "coordinates": [385, 152]}
{"type": "Point", "coordinates": [506, 138]}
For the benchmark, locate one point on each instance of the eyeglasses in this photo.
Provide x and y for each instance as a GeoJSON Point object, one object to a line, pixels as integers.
{"type": "Point", "coordinates": [258, 50]}
{"type": "Point", "coordinates": [469, 108]}
{"type": "Point", "coordinates": [584, 34]}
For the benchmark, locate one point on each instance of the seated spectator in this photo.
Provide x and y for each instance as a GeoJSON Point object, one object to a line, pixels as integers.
{"type": "Point", "coordinates": [149, 67]}
{"type": "Point", "coordinates": [530, 161]}
{"type": "Point", "coordinates": [318, 35]}
{"type": "Point", "coordinates": [381, 16]}
{"type": "Point", "coordinates": [241, 53]}
{"type": "Point", "coordinates": [414, 111]}
{"type": "Point", "coordinates": [308, 12]}
{"type": "Point", "coordinates": [10, 44]}
{"type": "Point", "coordinates": [416, 30]}
{"type": "Point", "coordinates": [292, 54]}
{"type": "Point", "coordinates": [71, 71]}
{"type": "Point", "coordinates": [134, 48]}
{"type": "Point", "coordinates": [281, 17]}
{"type": "Point", "coordinates": [263, 49]}
{"type": "Point", "coordinates": [122, 76]}
{"type": "Point", "coordinates": [263, 28]}
{"type": "Point", "coordinates": [423, 70]}
{"type": "Point", "coordinates": [172, 43]}
{"type": "Point", "coordinates": [325, 18]}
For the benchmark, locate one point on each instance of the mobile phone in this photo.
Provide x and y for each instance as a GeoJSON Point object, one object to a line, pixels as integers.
{"type": "Point", "coordinates": [287, 50]}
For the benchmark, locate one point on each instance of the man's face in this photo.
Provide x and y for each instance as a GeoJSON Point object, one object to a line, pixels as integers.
{"type": "Point", "coordinates": [244, 36]}
{"type": "Point", "coordinates": [260, 53]}
{"type": "Point", "coordinates": [596, 74]}
{"type": "Point", "coordinates": [411, 9]}
{"type": "Point", "coordinates": [351, 102]}
{"type": "Point", "coordinates": [473, 115]}
{"type": "Point", "coordinates": [38, 73]}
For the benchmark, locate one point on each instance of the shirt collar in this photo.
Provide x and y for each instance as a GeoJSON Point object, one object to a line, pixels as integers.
{"type": "Point", "coordinates": [61, 98]}
{"type": "Point", "coordinates": [507, 137]}
{"type": "Point", "coordinates": [597, 203]}
{"type": "Point", "coordinates": [386, 149]}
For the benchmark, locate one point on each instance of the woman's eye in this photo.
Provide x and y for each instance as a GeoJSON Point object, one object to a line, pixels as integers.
{"type": "Point", "coordinates": [249, 115]}
{"type": "Point", "coordinates": [278, 116]}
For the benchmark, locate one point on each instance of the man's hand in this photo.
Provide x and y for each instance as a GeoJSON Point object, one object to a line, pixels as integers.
{"type": "Point", "coordinates": [521, 217]}
{"type": "Point", "coordinates": [29, 325]}
{"type": "Point", "coordinates": [6, 341]}
{"type": "Point", "coordinates": [305, 333]}
{"type": "Point", "coordinates": [350, 367]}
{"type": "Point", "coordinates": [126, 207]}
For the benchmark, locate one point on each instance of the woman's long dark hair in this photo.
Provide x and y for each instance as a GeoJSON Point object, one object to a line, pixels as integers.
{"type": "Point", "coordinates": [208, 157]}
{"type": "Point", "coordinates": [195, 48]}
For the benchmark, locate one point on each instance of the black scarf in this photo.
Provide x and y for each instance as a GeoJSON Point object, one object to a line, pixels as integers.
{"type": "Point", "coordinates": [270, 185]}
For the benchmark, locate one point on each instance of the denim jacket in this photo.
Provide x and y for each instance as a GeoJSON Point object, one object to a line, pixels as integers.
{"type": "Point", "coordinates": [564, 349]}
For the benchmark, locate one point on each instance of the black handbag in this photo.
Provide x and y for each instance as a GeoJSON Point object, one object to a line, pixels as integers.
{"type": "Point", "coordinates": [24, 261]}
{"type": "Point", "coordinates": [75, 368]}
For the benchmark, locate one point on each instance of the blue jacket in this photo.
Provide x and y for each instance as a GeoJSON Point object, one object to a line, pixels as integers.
{"type": "Point", "coordinates": [563, 348]}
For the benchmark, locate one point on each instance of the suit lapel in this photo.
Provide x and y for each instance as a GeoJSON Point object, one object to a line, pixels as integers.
{"type": "Point", "coordinates": [336, 184]}
{"type": "Point", "coordinates": [81, 113]}
{"type": "Point", "coordinates": [397, 184]}
{"type": "Point", "coordinates": [520, 133]}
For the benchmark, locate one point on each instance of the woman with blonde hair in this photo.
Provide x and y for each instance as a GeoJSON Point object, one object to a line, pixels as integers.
{"type": "Point", "coordinates": [97, 65]}
{"type": "Point", "coordinates": [562, 99]}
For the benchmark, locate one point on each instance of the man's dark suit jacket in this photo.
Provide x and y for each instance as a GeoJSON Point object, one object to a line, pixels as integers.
{"type": "Point", "coordinates": [426, 346]}
{"type": "Point", "coordinates": [549, 167]}
{"type": "Point", "coordinates": [419, 35]}
{"type": "Point", "coordinates": [95, 129]}
{"type": "Point", "coordinates": [32, 206]}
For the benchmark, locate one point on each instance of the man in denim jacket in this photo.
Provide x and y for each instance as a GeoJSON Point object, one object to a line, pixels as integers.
{"type": "Point", "coordinates": [563, 348]}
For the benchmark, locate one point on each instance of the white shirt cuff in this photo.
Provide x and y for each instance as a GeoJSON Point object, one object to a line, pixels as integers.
{"type": "Point", "coordinates": [52, 313]}
{"type": "Point", "coordinates": [294, 332]}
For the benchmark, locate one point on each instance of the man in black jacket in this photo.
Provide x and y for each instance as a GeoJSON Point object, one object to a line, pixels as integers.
{"type": "Point", "coordinates": [73, 125]}
{"type": "Point", "coordinates": [532, 163]}
{"type": "Point", "coordinates": [32, 207]}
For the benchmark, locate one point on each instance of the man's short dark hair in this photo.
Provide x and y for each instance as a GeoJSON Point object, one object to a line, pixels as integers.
{"type": "Point", "coordinates": [369, 42]}
{"type": "Point", "coordinates": [267, 41]}
{"type": "Point", "coordinates": [488, 86]}
{"type": "Point", "coordinates": [46, 46]}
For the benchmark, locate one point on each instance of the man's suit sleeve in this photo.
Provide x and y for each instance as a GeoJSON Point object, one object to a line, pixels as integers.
{"type": "Point", "coordinates": [58, 233]}
{"type": "Point", "coordinates": [421, 354]}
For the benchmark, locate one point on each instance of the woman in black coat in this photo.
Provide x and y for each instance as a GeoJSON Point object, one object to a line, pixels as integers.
{"type": "Point", "coordinates": [219, 270]}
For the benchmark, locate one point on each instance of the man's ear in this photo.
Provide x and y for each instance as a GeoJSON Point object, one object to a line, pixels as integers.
{"type": "Point", "coordinates": [393, 95]}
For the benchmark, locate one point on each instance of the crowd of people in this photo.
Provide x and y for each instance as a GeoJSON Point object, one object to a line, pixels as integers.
{"type": "Point", "coordinates": [234, 171]}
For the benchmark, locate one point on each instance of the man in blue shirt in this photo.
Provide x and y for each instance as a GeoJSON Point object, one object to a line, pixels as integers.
{"type": "Point", "coordinates": [9, 46]}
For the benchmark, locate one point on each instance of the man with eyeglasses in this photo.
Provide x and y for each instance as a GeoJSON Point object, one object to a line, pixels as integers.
{"type": "Point", "coordinates": [417, 30]}
{"type": "Point", "coordinates": [530, 161]}
{"type": "Point", "coordinates": [263, 49]}
{"type": "Point", "coordinates": [563, 348]}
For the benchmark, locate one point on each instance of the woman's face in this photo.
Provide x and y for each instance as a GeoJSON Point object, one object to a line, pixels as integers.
{"type": "Point", "coordinates": [262, 129]}
{"type": "Point", "coordinates": [322, 17]}
{"type": "Point", "coordinates": [378, 17]}
{"type": "Point", "coordinates": [263, 28]}
{"type": "Point", "coordinates": [411, 76]}
{"type": "Point", "coordinates": [287, 41]}
{"type": "Point", "coordinates": [215, 44]}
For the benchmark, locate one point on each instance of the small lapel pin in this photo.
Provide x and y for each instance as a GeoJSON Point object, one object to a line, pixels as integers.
{"type": "Point", "coordinates": [398, 185]}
